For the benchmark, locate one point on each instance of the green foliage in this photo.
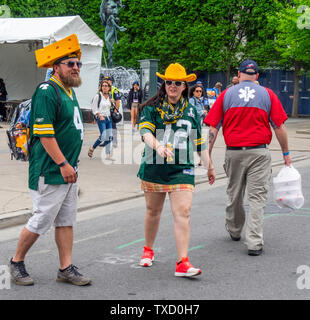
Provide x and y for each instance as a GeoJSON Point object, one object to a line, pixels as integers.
{"type": "Point", "coordinates": [213, 35]}
{"type": "Point", "coordinates": [292, 23]}
{"type": "Point", "coordinates": [208, 35]}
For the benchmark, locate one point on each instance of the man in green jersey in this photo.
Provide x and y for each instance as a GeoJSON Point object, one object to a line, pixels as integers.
{"type": "Point", "coordinates": [56, 137]}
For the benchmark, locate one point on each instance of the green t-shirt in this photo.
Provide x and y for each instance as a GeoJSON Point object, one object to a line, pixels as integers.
{"type": "Point", "coordinates": [67, 128]}
{"type": "Point", "coordinates": [184, 136]}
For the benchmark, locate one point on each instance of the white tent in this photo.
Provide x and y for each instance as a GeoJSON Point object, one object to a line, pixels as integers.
{"type": "Point", "coordinates": [20, 37]}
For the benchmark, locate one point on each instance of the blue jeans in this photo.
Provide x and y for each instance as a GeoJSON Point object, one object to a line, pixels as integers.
{"type": "Point", "coordinates": [105, 128]}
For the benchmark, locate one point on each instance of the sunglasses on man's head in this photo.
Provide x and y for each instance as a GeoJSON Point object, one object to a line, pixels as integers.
{"type": "Point", "coordinates": [71, 64]}
{"type": "Point", "coordinates": [177, 83]}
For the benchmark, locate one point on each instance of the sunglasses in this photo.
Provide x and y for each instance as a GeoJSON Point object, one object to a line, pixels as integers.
{"type": "Point", "coordinates": [198, 90]}
{"type": "Point", "coordinates": [71, 64]}
{"type": "Point", "coordinates": [177, 83]}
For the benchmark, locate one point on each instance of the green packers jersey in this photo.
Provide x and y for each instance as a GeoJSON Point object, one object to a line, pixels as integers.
{"type": "Point", "coordinates": [182, 137]}
{"type": "Point", "coordinates": [66, 127]}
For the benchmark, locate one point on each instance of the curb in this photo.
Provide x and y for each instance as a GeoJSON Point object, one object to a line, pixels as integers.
{"type": "Point", "coordinates": [11, 219]}
{"type": "Point", "coordinates": [303, 131]}
{"type": "Point", "coordinates": [19, 217]}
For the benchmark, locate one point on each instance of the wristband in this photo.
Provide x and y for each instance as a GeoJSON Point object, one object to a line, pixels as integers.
{"type": "Point", "coordinates": [286, 153]}
{"type": "Point", "coordinates": [62, 164]}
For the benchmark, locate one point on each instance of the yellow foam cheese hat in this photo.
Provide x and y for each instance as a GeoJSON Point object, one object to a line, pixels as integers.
{"type": "Point", "coordinates": [175, 71]}
{"type": "Point", "coordinates": [47, 56]}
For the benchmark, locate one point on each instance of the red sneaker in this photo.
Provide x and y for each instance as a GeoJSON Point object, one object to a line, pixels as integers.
{"type": "Point", "coordinates": [147, 257]}
{"type": "Point", "coordinates": [186, 269]}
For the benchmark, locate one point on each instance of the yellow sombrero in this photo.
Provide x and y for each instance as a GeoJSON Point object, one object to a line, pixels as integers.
{"type": "Point", "coordinates": [177, 72]}
{"type": "Point", "coordinates": [67, 47]}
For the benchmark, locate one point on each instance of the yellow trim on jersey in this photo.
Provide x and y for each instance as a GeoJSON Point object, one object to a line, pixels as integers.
{"type": "Point", "coordinates": [39, 126]}
{"type": "Point", "coordinates": [69, 93]}
{"type": "Point", "coordinates": [43, 129]}
{"type": "Point", "coordinates": [147, 125]}
{"type": "Point", "coordinates": [43, 132]}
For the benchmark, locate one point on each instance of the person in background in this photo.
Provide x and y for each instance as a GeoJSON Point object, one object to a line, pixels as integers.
{"type": "Point", "coordinates": [218, 88]}
{"type": "Point", "coordinates": [235, 81]}
{"type": "Point", "coordinates": [133, 101]}
{"type": "Point", "coordinates": [170, 128]}
{"type": "Point", "coordinates": [197, 100]}
{"type": "Point", "coordinates": [101, 109]}
{"type": "Point", "coordinates": [116, 102]}
{"type": "Point", "coordinates": [3, 97]}
{"type": "Point", "coordinates": [246, 112]}
{"type": "Point", "coordinates": [204, 95]}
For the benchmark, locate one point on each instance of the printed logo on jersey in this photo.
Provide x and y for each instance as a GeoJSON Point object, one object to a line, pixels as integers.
{"type": "Point", "coordinates": [188, 171]}
{"type": "Point", "coordinates": [191, 114]}
{"type": "Point", "coordinates": [44, 86]}
{"type": "Point", "coordinates": [246, 94]}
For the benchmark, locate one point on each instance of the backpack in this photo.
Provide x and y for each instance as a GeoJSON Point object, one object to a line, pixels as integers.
{"type": "Point", "coordinates": [19, 132]}
{"type": "Point", "coordinates": [116, 116]}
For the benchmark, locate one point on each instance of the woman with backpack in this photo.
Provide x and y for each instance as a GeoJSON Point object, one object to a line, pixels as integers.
{"type": "Point", "coordinates": [101, 108]}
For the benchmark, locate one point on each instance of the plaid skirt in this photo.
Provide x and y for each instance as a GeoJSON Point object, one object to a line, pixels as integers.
{"type": "Point", "coordinates": [147, 186]}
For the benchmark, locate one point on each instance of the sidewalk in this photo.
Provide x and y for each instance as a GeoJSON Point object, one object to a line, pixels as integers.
{"type": "Point", "coordinates": [102, 182]}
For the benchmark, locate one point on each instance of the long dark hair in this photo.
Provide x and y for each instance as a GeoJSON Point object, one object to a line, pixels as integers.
{"type": "Point", "coordinates": [160, 95]}
{"type": "Point", "coordinates": [194, 87]}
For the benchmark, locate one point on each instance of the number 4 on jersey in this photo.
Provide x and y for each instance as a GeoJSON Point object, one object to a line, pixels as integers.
{"type": "Point", "coordinates": [78, 121]}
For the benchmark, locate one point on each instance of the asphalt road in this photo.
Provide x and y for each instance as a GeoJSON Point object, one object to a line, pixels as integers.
{"type": "Point", "coordinates": [108, 246]}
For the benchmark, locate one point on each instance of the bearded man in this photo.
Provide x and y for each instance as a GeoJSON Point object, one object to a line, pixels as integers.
{"type": "Point", "coordinates": [56, 137]}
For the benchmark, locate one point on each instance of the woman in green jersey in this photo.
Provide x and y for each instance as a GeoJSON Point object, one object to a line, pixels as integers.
{"type": "Point", "coordinates": [171, 130]}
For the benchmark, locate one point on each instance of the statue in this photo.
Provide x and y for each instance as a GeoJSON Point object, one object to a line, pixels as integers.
{"type": "Point", "coordinates": [108, 13]}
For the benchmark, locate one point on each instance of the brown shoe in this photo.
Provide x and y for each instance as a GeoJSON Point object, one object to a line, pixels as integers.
{"type": "Point", "coordinates": [90, 152]}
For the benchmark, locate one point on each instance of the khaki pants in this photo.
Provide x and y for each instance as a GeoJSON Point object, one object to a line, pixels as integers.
{"type": "Point", "coordinates": [249, 169]}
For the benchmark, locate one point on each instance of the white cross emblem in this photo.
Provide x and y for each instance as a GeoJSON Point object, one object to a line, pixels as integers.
{"type": "Point", "coordinates": [246, 94]}
{"type": "Point", "coordinates": [44, 86]}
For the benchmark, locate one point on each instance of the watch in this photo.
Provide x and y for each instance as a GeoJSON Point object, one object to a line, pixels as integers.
{"type": "Point", "coordinates": [62, 164]}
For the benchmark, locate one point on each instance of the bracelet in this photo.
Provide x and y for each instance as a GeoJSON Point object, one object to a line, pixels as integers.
{"type": "Point", "coordinates": [62, 164]}
{"type": "Point", "coordinates": [286, 153]}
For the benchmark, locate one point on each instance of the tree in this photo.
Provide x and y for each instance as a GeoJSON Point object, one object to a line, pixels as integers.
{"type": "Point", "coordinates": [292, 41]}
{"type": "Point", "coordinates": [202, 35]}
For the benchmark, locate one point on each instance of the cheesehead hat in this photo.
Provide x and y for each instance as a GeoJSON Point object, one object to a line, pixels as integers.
{"type": "Point", "coordinates": [68, 47]}
{"type": "Point", "coordinates": [177, 72]}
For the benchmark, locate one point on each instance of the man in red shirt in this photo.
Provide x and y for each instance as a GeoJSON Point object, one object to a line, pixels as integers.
{"type": "Point", "coordinates": [245, 112]}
